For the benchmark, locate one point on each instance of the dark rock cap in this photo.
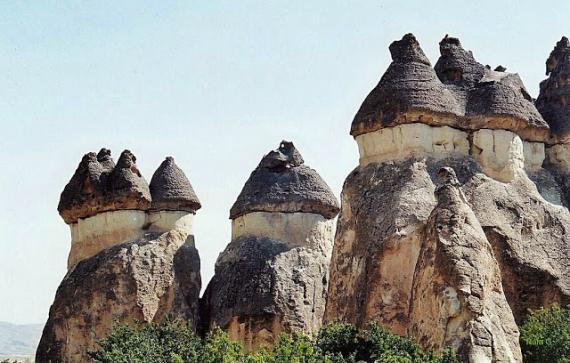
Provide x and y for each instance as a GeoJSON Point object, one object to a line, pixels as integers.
{"type": "Point", "coordinates": [553, 101]}
{"type": "Point", "coordinates": [282, 183]}
{"type": "Point", "coordinates": [460, 92]}
{"type": "Point", "coordinates": [409, 84]}
{"type": "Point", "coordinates": [171, 190]}
{"type": "Point", "coordinates": [99, 186]}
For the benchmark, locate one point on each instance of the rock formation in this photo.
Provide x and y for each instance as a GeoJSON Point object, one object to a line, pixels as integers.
{"type": "Point", "coordinates": [132, 257]}
{"type": "Point", "coordinates": [273, 275]}
{"type": "Point", "coordinates": [417, 257]}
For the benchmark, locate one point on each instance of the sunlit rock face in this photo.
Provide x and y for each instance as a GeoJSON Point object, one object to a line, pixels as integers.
{"type": "Point", "coordinates": [273, 275]}
{"type": "Point", "coordinates": [136, 263]}
{"type": "Point", "coordinates": [451, 271]}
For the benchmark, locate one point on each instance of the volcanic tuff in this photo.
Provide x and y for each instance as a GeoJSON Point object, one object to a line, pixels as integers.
{"type": "Point", "coordinates": [131, 260]}
{"type": "Point", "coordinates": [452, 226]}
{"type": "Point", "coordinates": [272, 276]}
{"type": "Point", "coordinates": [454, 262]}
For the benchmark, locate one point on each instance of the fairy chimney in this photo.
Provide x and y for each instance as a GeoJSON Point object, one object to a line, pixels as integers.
{"type": "Point", "coordinates": [273, 275]}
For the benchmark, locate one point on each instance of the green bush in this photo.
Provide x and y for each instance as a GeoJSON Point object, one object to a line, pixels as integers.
{"type": "Point", "coordinates": [545, 336]}
{"type": "Point", "coordinates": [174, 342]}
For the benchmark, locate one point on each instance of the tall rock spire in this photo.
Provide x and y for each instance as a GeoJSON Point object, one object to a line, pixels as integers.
{"type": "Point", "coordinates": [272, 276]}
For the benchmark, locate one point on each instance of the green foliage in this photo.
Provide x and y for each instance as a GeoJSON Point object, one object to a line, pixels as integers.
{"type": "Point", "coordinates": [174, 342]}
{"type": "Point", "coordinates": [545, 336]}
{"type": "Point", "coordinates": [344, 343]}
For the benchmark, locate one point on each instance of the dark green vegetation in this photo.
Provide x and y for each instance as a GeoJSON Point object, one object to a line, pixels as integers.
{"type": "Point", "coordinates": [545, 336]}
{"type": "Point", "coordinates": [173, 342]}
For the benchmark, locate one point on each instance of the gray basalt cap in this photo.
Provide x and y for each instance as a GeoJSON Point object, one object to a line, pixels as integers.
{"type": "Point", "coordinates": [98, 185]}
{"type": "Point", "coordinates": [282, 183]}
{"type": "Point", "coordinates": [460, 92]}
{"type": "Point", "coordinates": [554, 99]}
{"type": "Point", "coordinates": [409, 84]}
{"type": "Point", "coordinates": [171, 190]}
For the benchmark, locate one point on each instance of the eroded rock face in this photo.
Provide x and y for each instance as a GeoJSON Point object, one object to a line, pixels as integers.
{"type": "Point", "coordinates": [382, 231]}
{"type": "Point", "coordinates": [282, 183]}
{"type": "Point", "coordinates": [127, 263]}
{"type": "Point", "coordinates": [273, 276]}
{"type": "Point", "coordinates": [553, 102]}
{"type": "Point", "coordinates": [138, 281]}
{"type": "Point", "coordinates": [171, 190]}
{"type": "Point", "coordinates": [98, 185]}
{"type": "Point", "coordinates": [457, 297]}
{"type": "Point", "coordinates": [459, 92]}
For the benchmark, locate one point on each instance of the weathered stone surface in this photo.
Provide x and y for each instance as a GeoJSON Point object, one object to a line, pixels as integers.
{"type": "Point", "coordinates": [171, 190]}
{"type": "Point", "coordinates": [282, 183]}
{"type": "Point", "coordinates": [553, 102]}
{"type": "Point", "coordinates": [273, 276]}
{"type": "Point", "coordinates": [263, 287]}
{"type": "Point", "coordinates": [137, 281]}
{"type": "Point", "coordinates": [99, 186]}
{"type": "Point", "coordinates": [382, 228]}
{"type": "Point", "coordinates": [466, 95]}
{"type": "Point", "coordinates": [457, 297]}
{"type": "Point", "coordinates": [408, 91]}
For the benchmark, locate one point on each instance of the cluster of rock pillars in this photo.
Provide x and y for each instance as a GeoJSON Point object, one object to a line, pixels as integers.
{"type": "Point", "coordinates": [452, 226]}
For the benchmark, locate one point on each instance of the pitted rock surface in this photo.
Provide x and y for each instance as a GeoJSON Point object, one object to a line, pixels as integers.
{"type": "Point", "coordinates": [553, 101]}
{"type": "Point", "coordinates": [171, 190]}
{"type": "Point", "coordinates": [134, 282]}
{"type": "Point", "coordinates": [263, 287]}
{"type": "Point", "coordinates": [282, 183]}
{"type": "Point", "coordinates": [462, 94]}
{"type": "Point", "coordinates": [99, 186]}
{"type": "Point", "coordinates": [382, 229]}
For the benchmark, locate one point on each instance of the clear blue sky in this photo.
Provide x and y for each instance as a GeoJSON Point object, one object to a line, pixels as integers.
{"type": "Point", "coordinates": [215, 84]}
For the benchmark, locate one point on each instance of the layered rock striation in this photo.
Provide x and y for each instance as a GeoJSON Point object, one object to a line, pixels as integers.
{"type": "Point", "coordinates": [440, 267]}
{"type": "Point", "coordinates": [132, 259]}
{"type": "Point", "coordinates": [273, 275]}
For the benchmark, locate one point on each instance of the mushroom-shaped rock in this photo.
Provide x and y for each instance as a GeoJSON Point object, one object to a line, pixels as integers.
{"type": "Point", "coordinates": [85, 193]}
{"type": "Point", "coordinates": [488, 99]}
{"type": "Point", "coordinates": [282, 234]}
{"type": "Point", "coordinates": [171, 190]}
{"type": "Point", "coordinates": [127, 188]}
{"type": "Point", "coordinates": [99, 186]}
{"type": "Point", "coordinates": [282, 183]}
{"type": "Point", "coordinates": [554, 99]}
{"type": "Point", "coordinates": [407, 92]}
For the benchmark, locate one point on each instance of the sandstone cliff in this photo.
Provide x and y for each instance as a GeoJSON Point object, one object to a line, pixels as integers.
{"type": "Point", "coordinates": [456, 264]}
{"type": "Point", "coordinates": [126, 265]}
{"type": "Point", "coordinates": [273, 276]}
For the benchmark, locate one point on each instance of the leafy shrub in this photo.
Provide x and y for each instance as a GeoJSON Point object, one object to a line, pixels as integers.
{"type": "Point", "coordinates": [545, 336]}
{"type": "Point", "coordinates": [174, 342]}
